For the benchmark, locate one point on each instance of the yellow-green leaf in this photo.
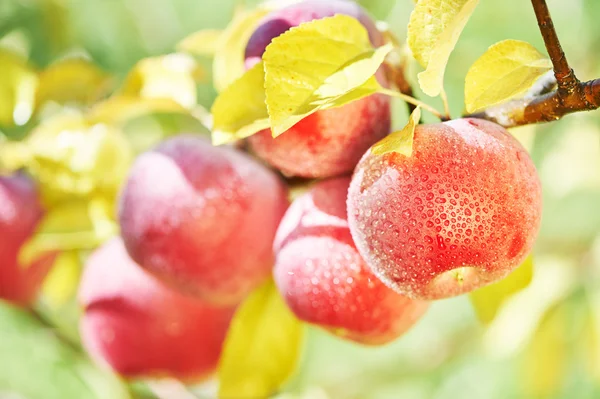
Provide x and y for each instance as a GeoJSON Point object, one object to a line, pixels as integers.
{"type": "Point", "coordinates": [73, 80]}
{"type": "Point", "coordinates": [18, 83]}
{"type": "Point", "coordinates": [433, 30]}
{"type": "Point", "coordinates": [489, 299]}
{"type": "Point", "coordinates": [204, 42]}
{"type": "Point", "coordinates": [262, 346]}
{"type": "Point", "coordinates": [121, 109]}
{"type": "Point", "coordinates": [400, 141]}
{"type": "Point", "coordinates": [172, 76]}
{"type": "Point", "coordinates": [318, 65]}
{"type": "Point", "coordinates": [228, 64]}
{"type": "Point", "coordinates": [240, 110]}
{"type": "Point", "coordinates": [61, 283]}
{"type": "Point", "coordinates": [71, 157]}
{"type": "Point", "coordinates": [505, 70]}
{"type": "Point", "coordinates": [71, 226]}
{"type": "Point", "coordinates": [545, 360]}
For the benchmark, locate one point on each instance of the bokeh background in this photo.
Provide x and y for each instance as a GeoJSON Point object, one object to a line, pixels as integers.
{"type": "Point", "coordinates": [545, 341]}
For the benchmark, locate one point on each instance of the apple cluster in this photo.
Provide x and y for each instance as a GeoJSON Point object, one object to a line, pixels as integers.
{"type": "Point", "coordinates": [360, 253]}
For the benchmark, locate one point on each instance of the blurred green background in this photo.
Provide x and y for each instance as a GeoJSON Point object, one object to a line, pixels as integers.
{"type": "Point", "coordinates": [545, 342]}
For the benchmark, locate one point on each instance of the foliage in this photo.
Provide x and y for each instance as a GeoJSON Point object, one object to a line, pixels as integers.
{"type": "Point", "coordinates": [75, 123]}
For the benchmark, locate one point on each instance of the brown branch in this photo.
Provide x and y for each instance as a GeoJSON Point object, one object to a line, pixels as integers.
{"type": "Point", "coordinates": [546, 108]}
{"type": "Point", "coordinates": [570, 96]}
{"type": "Point", "coordinates": [564, 74]}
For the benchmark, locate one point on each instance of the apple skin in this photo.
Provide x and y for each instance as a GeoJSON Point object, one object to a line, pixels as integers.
{"type": "Point", "coordinates": [202, 218]}
{"type": "Point", "coordinates": [141, 328]}
{"type": "Point", "coordinates": [325, 281]}
{"type": "Point", "coordinates": [462, 212]}
{"type": "Point", "coordinates": [20, 213]}
{"type": "Point", "coordinates": [329, 142]}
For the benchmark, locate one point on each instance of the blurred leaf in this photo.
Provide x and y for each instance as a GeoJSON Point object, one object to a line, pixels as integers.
{"type": "Point", "coordinates": [73, 80]}
{"type": "Point", "coordinates": [171, 76]}
{"type": "Point", "coordinates": [505, 70]}
{"type": "Point", "coordinates": [228, 64]}
{"type": "Point", "coordinates": [433, 31]}
{"type": "Point", "coordinates": [545, 359]}
{"type": "Point", "coordinates": [18, 82]}
{"type": "Point", "coordinates": [205, 42]}
{"type": "Point", "coordinates": [400, 141]}
{"type": "Point", "coordinates": [121, 109]}
{"type": "Point", "coordinates": [380, 9]}
{"type": "Point", "coordinates": [318, 65]}
{"type": "Point", "coordinates": [61, 283]}
{"type": "Point", "coordinates": [489, 299]}
{"type": "Point", "coordinates": [72, 157]}
{"type": "Point", "coordinates": [70, 226]}
{"type": "Point", "coordinates": [240, 110]}
{"type": "Point", "coordinates": [262, 347]}
{"type": "Point", "coordinates": [37, 365]}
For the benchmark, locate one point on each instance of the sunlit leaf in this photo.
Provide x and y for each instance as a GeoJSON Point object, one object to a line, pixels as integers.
{"type": "Point", "coordinates": [36, 364]}
{"type": "Point", "coordinates": [318, 65]}
{"type": "Point", "coordinates": [489, 299]}
{"type": "Point", "coordinates": [433, 31]}
{"type": "Point", "coordinates": [70, 226]}
{"type": "Point", "coordinates": [240, 110]}
{"type": "Point", "coordinates": [544, 363]}
{"type": "Point", "coordinates": [72, 157]}
{"type": "Point", "coordinates": [61, 283]}
{"type": "Point", "coordinates": [262, 347]}
{"type": "Point", "coordinates": [205, 42]}
{"type": "Point", "coordinates": [171, 76]}
{"type": "Point", "coordinates": [505, 70]}
{"type": "Point", "coordinates": [73, 80]}
{"type": "Point", "coordinates": [121, 109]}
{"type": "Point", "coordinates": [400, 141]}
{"type": "Point", "coordinates": [18, 83]}
{"type": "Point", "coordinates": [228, 64]}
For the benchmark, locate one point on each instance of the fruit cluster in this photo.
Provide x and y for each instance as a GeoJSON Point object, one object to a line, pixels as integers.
{"type": "Point", "coordinates": [359, 253]}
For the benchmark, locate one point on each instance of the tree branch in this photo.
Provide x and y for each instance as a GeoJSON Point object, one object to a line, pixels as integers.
{"type": "Point", "coordinates": [540, 105]}
{"type": "Point", "coordinates": [564, 74]}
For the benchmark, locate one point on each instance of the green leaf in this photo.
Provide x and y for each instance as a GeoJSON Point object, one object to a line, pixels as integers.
{"type": "Point", "coordinates": [505, 70]}
{"type": "Point", "coordinates": [433, 31]}
{"type": "Point", "coordinates": [240, 110]}
{"type": "Point", "coordinates": [546, 358]}
{"type": "Point", "coordinates": [262, 347]}
{"type": "Point", "coordinates": [74, 80]}
{"type": "Point", "coordinates": [119, 110]}
{"type": "Point", "coordinates": [489, 299]}
{"type": "Point", "coordinates": [228, 64]}
{"type": "Point", "coordinates": [318, 65]}
{"type": "Point", "coordinates": [18, 83]}
{"type": "Point", "coordinates": [205, 42]}
{"type": "Point", "coordinates": [172, 76]}
{"type": "Point", "coordinates": [400, 141]}
{"type": "Point", "coordinates": [70, 226]}
{"type": "Point", "coordinates": [61, 283]}
{"type": "Point", "coordinates": [37, 365]}
{"type": "Point", "coordinates": [72, 157]}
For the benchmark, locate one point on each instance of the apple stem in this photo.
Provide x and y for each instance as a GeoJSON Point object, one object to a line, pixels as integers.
{"type": "Point", "coordinates": [570, 96]}
{"type": "Point", "coordinates": [413, 101]}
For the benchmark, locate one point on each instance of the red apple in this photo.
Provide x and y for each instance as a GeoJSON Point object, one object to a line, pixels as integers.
{"type": "Point", "coordinates": [330, 142]}
{"type": "Point", "coordinates": [325, 281]}
{"type": "Point", "coordinates": [202, 218]}
{"type": "Point", "coordinates": [140, 327]}
{"type": "Point", "coordinates": [20, 212]}
{"type": "Point", "coordinates": [463, 211]}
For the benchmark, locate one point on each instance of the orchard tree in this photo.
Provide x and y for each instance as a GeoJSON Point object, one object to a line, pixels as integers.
{"type": "Point", "coordinates": [208, 256]}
